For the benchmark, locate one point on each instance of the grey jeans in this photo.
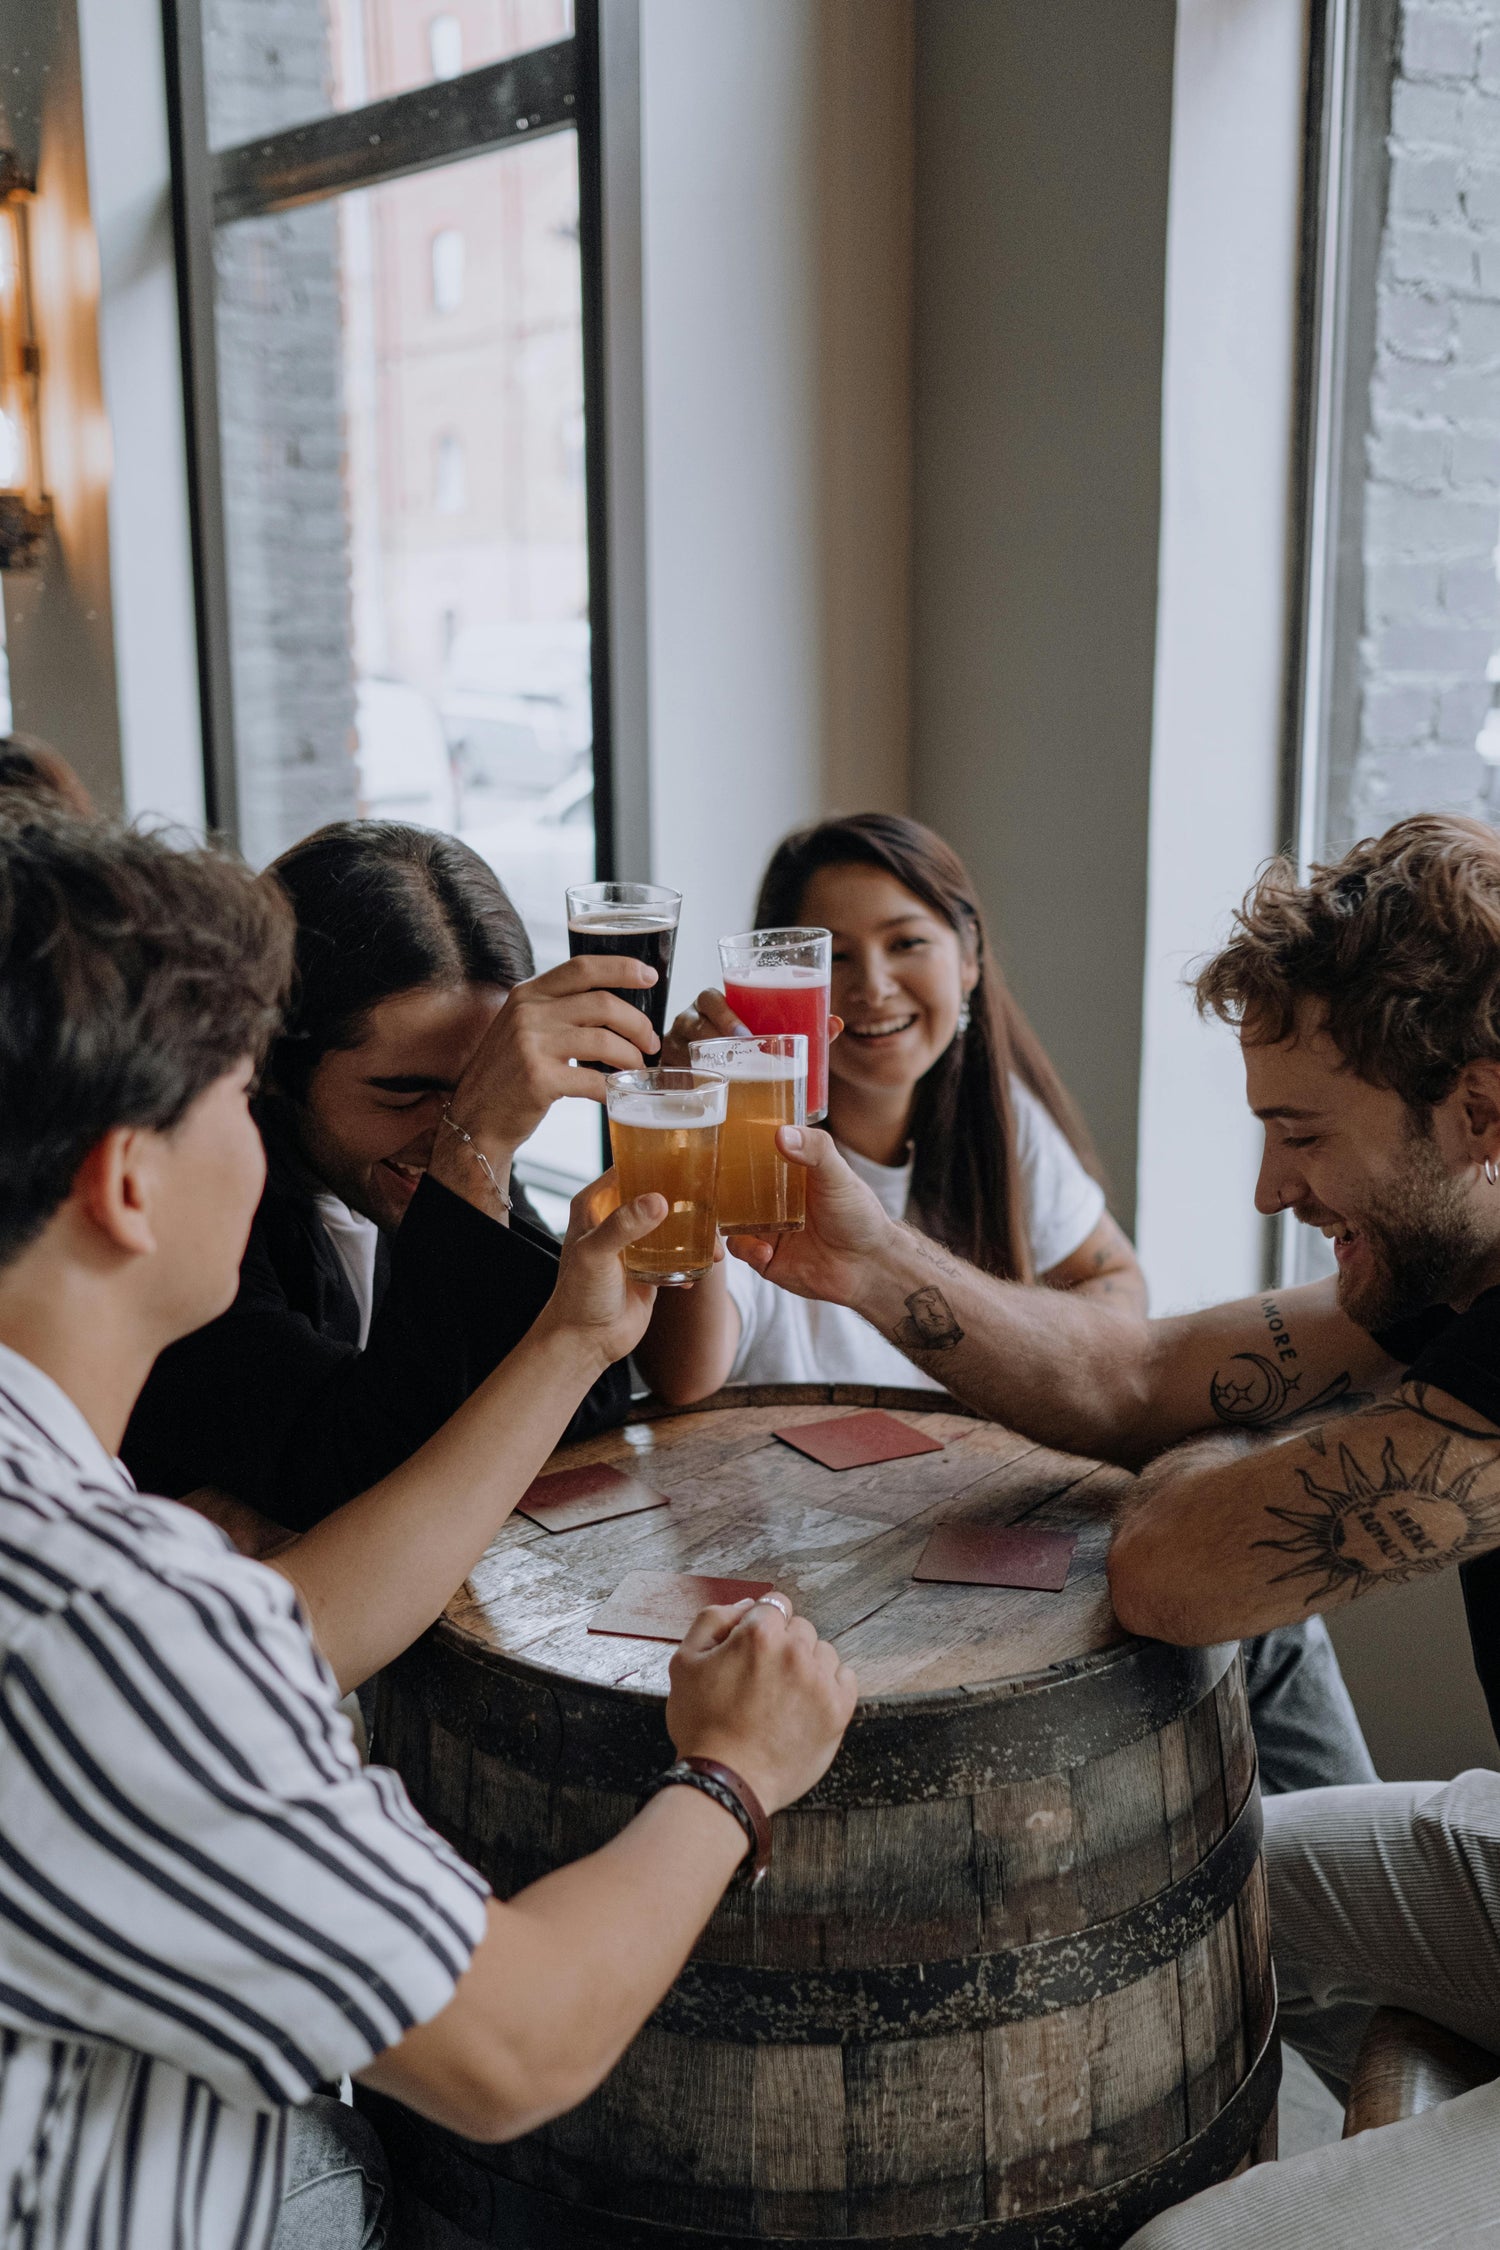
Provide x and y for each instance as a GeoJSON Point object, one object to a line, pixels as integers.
{"type": "Point", "coordinates": [1306, 1733]}
{"type": "Point", "coordinates": [338, 2190]}
{"type": "Point", "coordinates": [1380, 1896]}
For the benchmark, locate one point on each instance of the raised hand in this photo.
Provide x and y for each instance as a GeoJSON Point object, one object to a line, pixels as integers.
{"type": "Point", "coordinates": [594, 1295]}
{"type": "Point", "coordinates": [710, 1017]}
{"type": "Point", "coordinates": [522, 1064]}
{"type": "Point", "coordinates": [758, 1691]}
{"type": "Point", "coordinates": [846, 1225]}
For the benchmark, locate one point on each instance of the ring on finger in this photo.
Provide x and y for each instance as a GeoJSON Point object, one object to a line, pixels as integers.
{"type": "Point", "coordinates": [774, 1601]}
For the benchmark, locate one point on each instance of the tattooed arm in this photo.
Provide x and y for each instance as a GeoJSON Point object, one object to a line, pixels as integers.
{"type": "Point", "coordinates": [1213, 1550]}
{"type": "Point", "coordinates": [1086, 1374]}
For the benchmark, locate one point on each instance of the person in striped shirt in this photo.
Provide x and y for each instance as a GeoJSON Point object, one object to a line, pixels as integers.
{"type": "Point", "coordinates": [208, 1907]}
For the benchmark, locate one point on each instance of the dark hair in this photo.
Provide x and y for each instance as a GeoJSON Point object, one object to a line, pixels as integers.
{"type": "Point", "coordinates": [966, 1177]}
{"type": "Point", "coordinates": [41, 776]}
{"type": "Point", "coordinates": [132, 975]}
{"type": "Point", "coordinates": [1399, 944]}
{"type": "Point", "coordinates": [382, 908]}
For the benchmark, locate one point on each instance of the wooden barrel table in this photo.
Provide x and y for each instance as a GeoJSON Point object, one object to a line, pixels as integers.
{"type": "Point", "coordinates": [1008, 1982]}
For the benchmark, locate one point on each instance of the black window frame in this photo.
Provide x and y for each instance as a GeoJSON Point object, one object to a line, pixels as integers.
{"type": "Point", "coordinates": [500, 105]}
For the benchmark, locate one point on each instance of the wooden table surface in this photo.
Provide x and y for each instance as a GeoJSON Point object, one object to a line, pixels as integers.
{"type": "Point", "coordinates": [841, 1543]}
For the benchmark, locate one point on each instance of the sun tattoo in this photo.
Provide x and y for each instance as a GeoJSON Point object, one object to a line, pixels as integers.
{"type": "Point", "coordinates": [1412, 1522]}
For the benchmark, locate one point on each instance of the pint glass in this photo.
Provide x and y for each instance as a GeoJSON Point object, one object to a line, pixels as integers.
{"type": "Point", "coordinates": [635, 918]}
{"type": "Point", "coordinates": [664, 1130]}
{"type": "Point", "coordinates": [777, 980]}
{"type": "Point", "coordinates": [759, 1192]}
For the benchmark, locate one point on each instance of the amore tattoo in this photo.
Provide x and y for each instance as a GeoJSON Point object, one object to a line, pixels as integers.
{"type": "Point", "coordinates": [1407, 1514]}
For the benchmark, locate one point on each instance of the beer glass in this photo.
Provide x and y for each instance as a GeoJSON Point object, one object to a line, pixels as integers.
{"type": "Point", "coordinates": [635, 918]}
{"type": "Point", "coordinates": [759, 1192]}
{"type": "Point", "coordinates": [777, 980]}
{"type": "Point", "coordinates": [664, 1130]}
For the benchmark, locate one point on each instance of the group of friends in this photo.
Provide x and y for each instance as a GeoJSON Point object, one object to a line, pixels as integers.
{"type": "Point", "coordinates": [282, 1343]}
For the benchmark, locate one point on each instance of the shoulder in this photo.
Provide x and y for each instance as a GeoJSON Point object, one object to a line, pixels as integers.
{"type": "Point", "coordinates": [176, 1585]}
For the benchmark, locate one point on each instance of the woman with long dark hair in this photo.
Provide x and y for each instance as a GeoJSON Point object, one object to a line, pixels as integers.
{"type": "Point", "coordinates": [943, 1100]}
{"type": "Point", "coordinates": [941, 1096]}
{"type": "Point", "coordinates": [393, 1261]}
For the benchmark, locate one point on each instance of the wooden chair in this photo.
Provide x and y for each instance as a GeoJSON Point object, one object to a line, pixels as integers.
{"type": "Point", "coordinates": [1406, 2065]}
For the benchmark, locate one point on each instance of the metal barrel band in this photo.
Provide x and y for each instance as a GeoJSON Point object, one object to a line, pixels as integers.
{"type": "Point", "coordinates": [527, 2218]}
{"type": "Point", "coordinates": [932, 1999]}
{"type": "Point", "coordinates": [915, 1748]}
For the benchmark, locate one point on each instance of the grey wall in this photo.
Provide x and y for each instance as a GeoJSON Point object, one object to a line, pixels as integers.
{"type": "Point", "coordinates": [1043, 139]}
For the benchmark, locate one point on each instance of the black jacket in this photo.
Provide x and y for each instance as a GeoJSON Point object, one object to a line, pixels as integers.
{"type": "Point", "coordinates": [274, 1401]}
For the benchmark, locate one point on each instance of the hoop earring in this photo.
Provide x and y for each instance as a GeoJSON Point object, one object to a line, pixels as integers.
{"type": "Point", "coordinates": [1490, 1173]}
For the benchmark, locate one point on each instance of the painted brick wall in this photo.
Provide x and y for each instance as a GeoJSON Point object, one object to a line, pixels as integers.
{"type": "Point", "coordinates": [282, 433]}
{"type": "Point", "coordinates": [1432, 494]}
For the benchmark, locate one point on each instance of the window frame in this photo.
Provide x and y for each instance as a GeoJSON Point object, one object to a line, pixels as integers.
{"type": "Point", "coordinates": [1350, 67]}
{"type": "Point", "coordinates": [499, 105]}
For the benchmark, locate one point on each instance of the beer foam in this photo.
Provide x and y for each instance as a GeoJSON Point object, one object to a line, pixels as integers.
{"type": "Point", "coordinates": [618, 921]}
{"type": "Point", "coordinates": [674, 1113]}
{"type": "Point", "coordinates": [775, 978]}
{"type": "Point", "coordinates": [761, 1068]}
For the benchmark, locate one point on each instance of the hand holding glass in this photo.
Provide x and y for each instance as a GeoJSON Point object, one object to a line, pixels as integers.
{"type": "Point", "coordinates": [759, 1192]}
{"type": "Point", "coordinates": [664, 1128]}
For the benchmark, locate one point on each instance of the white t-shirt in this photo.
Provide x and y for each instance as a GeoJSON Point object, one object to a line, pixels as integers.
{"type": "Point", "coordinates": [355, 1241]}
{"type": "Point", "coordinates": [786, 1339]}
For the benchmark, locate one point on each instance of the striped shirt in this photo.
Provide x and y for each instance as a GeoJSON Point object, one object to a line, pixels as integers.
{"type": "Point", "coordinates": [206, 1904]}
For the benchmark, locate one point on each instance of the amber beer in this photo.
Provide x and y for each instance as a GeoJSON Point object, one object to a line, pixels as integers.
{"type": "Point", "coordinates": [759, 1192]}
{"type": "Point", "coordinates": [664, 1128]}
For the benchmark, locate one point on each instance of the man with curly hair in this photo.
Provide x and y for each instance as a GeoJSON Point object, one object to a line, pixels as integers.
{"type": "Point", "coordinates": [1355, 1445]}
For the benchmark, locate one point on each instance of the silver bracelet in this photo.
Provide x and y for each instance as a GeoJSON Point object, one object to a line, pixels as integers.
{"type": "Point", "coordinates": [481, 1159]}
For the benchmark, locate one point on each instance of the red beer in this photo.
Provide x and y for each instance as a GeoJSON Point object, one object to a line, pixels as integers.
{"type": "Point", "coordinates": [778, 980]}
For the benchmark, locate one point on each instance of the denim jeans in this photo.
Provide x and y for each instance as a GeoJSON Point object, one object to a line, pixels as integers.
{"type": "Point", "coordinates": [1306, 1733]}
{"type": "Point", "coordinates": [338, 2190]}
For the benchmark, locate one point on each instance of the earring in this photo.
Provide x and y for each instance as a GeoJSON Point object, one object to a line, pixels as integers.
{"type": "Point", "coordinates": [964, 1020]}
{"type": "Point", "coordinates": [1490, 1173]}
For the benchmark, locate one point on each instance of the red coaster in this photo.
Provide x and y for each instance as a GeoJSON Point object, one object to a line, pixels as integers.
{"type": "Point", "coordinates": [660, 1605]}
{"type": "Point", "coordinates": [570, 1498]}
{"type": "Point", "coordinates": [855, 1441]}
{"type": "Point", "coordinates": [971, 1554]}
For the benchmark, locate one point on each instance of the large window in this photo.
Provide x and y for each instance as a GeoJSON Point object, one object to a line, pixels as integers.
{"type": "Point", "coordinates": [1396, 690]}
{"type": "Point", "coordinates": [389, 237]}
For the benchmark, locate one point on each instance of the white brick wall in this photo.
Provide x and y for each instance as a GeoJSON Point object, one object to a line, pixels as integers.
{"type": "Point", "coordinates": [1432, 493]}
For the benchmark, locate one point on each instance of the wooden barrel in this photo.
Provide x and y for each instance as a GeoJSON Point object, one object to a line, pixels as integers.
{"type": "Point", "coordinates": [1008, 1982]}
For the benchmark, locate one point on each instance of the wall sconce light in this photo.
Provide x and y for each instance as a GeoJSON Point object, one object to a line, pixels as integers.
{"type": "Point", "coordinates": [24, 509]}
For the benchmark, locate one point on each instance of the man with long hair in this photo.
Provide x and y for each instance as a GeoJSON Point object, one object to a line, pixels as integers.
{"type": "Point", "coordinates": [394, 1259]}
{"type": "Point", "coordinates": [1355, 1445]}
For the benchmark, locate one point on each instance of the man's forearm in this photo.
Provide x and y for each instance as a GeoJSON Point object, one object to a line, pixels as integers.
{"type": "Point", "coordinates": [566, 1975]}
{"type": "Point", "coordinates": [379, 1570]}
{"type": "Point", "coordinates": [1068, 1370]}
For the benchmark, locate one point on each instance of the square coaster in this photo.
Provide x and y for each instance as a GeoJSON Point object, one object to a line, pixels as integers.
{"type": "Point", "coordinates": [972, 1554]}
{"type": "Point", "coordinates": [571, 1498]}
{"type": "Point", "coordinates": [856, 1441]}
{"type": "Point", "coordinates": [660, 1605]}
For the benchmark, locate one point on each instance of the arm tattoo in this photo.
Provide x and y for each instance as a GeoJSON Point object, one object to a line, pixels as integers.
{"type": "Point", "coordinates": [1256, 1389]}
{"type": "Point", "coordinates": [930, 1324]}
{"type": "Point", "coordinates": [1404, 1517]}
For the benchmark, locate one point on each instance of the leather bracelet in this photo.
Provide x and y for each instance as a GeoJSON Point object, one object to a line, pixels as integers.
{"type": "Point", "coordinates": [729, 1789]}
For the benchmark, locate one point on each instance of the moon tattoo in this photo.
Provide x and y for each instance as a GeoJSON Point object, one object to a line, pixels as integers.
{"type": "Point", "coordinates": [1252, 1392]}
